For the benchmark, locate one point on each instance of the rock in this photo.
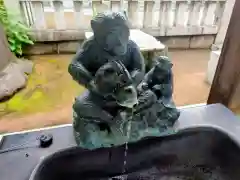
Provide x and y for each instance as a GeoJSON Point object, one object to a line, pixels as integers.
{"type": "Point", "coordinates": [25, 65]}
{"type": "Point", "coordinates": [14, 77]}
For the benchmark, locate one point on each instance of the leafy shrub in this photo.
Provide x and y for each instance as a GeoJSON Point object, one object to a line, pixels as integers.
{"type": "Point", "coordinates": [17, 33]}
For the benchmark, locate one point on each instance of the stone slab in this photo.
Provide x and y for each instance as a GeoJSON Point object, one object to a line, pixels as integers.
{"type": "Point", "coordinates": [173, 42]}
{"type": "Point", "coordinates": [201, 42]}
{"type": "Point", "coordinates": [41, 48]}
{"type": "Point", "coordinates": [57, 35]}
{"type": "Point", "coordinates": [68, 47]}
{"type": "Point", "coordinates": [178, 42]}
{"type": "Point", "coordinates": [183, 30]}
{"type": "Point", "coordinates": [145, 41]}
{"type": "Point", "coordinates": [23, 161]}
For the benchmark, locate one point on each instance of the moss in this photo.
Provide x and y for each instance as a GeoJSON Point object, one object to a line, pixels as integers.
{"type": "Point", "coordinates": [49, 86]}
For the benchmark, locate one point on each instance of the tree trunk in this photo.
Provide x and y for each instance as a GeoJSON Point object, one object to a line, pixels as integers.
{"type": "Point", "coordinates": [6, 54]}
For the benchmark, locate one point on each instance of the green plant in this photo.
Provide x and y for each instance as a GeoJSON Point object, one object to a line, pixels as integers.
{"type": "Point", "coordinates": [94, 10]}
{"type": "Point", "coordinates": [17, 33]}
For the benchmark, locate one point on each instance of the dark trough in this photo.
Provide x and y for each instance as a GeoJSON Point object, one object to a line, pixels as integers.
{"type": "Point", "coordinates": [193, 154]}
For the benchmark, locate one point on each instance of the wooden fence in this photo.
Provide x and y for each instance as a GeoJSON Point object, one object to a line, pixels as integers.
{"type": "Point", "coordinates": [69, 19]}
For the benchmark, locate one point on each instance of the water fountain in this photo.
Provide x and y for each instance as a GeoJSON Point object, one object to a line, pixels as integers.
{"type": "Point", "coordinates": [122, 104]}
{"type": "Point", "coordinates": [113, 70]}
{"type": "Point", "coordinates": [102, 117]}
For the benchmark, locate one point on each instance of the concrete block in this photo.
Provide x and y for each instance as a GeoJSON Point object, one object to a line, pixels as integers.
{"type": "Point", "coordinates": [203, 41]}
{"type": "Point", "coordinates": [69, 35]}
{"type": "Point", "coordinates": [183, 30]}
{"type": "Point", "coordinates": [176, 41]}
{"type": "Point", "coordinates": [210, 30]}
{"type": "Point", "coordinates": [68, 47]}
{"type": "Point", "coordinates": [57, 35]}
{"type": "Point", "coordinates": [41, 48]}
{"type": "Point", "coordinates": [154, 31]}
{"type": "Point", "coordinates": [212, 65]}
{"type": "Point", "coordinates": [216, 47]}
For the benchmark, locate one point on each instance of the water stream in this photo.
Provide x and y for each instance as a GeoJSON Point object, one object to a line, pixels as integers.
{"type": "Point", "coordinates": [129, 125]}
{"type": "Point", "coordinates": [126, 146]}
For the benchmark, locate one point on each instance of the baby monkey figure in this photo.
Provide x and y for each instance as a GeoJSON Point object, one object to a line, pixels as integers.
{"type": "Point", "coordinates": [160, 78]}
{"type": "Point", "coordinates": [160, 81]}
{"type": "Point", "coordinates": [99, 114]}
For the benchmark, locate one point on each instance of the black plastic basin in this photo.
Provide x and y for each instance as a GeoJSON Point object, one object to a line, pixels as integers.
{"type": "Point", "coordinates": [196, 154]}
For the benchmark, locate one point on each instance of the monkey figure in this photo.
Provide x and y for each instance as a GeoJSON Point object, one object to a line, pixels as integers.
{"type": "Point", "coordinates": [110, 41]}
{"type": "Point", "coordinates": [160, 80]}
{"type": "Point", "coordinates": [100, 114]}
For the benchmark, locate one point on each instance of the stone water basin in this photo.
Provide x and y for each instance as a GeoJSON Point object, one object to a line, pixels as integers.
{"type": "Point", "coordinates": [191, 154]}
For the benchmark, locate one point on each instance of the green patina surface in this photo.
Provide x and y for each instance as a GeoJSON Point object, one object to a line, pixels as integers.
{"type": "Point", "coordinates": [48, 87]}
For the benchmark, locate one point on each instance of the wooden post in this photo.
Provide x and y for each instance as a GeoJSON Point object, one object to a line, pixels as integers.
{"type": "Point", "coordinates": [78, 12]}
{"type": "Point", "coordinates": [59, 15]}
{"type": "Point", "coordinates": [163, 22]}
{"type": "Point", "coordinates": [204, 5]}
{"type": "Point", "coordinates": [194, 15]}
{"type": "Point", "coordinates": [227, 75]}
{"type": "Point", "coordinates": [27, 11]}
{"type": "Point", "coordinates": [181, 9]}
{"type": "Point", "coordinates": [97, 5]}
{"type": "Point", "coordinates": [210, 13]}
{"type": "Point", "coordinates": [39, 19]}
{"type": "Point", "coordinates": [148, 13]}
{"type": "Point", "coordinates": [208, 17]}
{"type": "Point", "coordinates": [115, 5]}
{"type": "Point", "coordinates": [133, 12]}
